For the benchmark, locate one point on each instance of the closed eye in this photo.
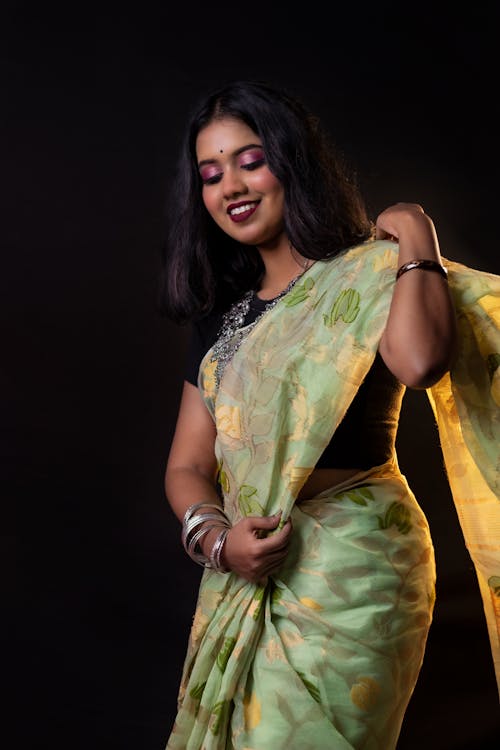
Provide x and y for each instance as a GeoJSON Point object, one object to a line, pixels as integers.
{"type": "Point", "coordinates": [253, 164]}
{"type": "Point", "coordinates": [212, 180]}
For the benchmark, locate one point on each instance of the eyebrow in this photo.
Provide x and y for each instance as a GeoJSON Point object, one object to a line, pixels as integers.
{"type": "Point", "coordinates": [235, 153]}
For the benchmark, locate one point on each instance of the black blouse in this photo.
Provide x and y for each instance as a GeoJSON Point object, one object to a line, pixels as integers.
{"type": "Point", "coordinates": [366, 436]}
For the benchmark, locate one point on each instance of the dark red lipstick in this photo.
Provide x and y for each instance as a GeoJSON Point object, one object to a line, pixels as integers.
{"type": "Point", "coordinates": [242, 210]}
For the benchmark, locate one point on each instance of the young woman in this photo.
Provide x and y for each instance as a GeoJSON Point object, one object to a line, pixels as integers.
{"type": "Point", "coordinates": [308, 324]}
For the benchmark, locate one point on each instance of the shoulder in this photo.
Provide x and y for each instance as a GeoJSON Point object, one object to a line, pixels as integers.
{"type": "Point", "coordinates": [382, 254]}
{"type": "Point", "coordinates": [370, 261]}
{"type": "Point", "coordinates": [203, 334]}
{"type": "Point", "coordinates": [205, 329]}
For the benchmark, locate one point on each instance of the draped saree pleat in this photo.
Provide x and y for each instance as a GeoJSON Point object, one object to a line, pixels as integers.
{"type": "Point", "coordinates": [327, 653]}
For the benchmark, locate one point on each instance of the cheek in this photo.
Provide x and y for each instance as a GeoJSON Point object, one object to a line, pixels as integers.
{"type": "Point", "coordinates": [212, 205]}
{"type": "Point", "coordinates": [265, 181]}
{"type": "Point", "coordinates": [208, 199]}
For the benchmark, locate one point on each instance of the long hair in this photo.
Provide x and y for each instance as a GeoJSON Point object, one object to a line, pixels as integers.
{"type": "Point", "coordinates": [202, 267]}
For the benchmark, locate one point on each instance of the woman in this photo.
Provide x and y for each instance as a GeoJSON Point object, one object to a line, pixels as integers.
{"type": "Point", "coordinates": [318, 589]}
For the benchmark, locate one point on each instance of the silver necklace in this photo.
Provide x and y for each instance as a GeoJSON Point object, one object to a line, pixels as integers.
{"type": "Point", "coordinates": [233, 330]}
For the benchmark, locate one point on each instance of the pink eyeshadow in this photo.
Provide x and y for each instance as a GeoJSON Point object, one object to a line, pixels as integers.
{"type": "Point", "coordinates": [208, 172]}
{"type": "Point", "coordinates": [247, 157]}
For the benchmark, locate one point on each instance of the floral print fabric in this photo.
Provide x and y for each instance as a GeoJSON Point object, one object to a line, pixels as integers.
{"type": "Point", "coordinates": [326, 655]}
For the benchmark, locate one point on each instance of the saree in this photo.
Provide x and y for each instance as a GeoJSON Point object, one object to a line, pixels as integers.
{"type": "Point", "coordinates": [326, 654]}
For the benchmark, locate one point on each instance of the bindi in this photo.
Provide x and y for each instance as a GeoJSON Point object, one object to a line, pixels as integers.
{"type": "Point", "coordinates": [221, 151]}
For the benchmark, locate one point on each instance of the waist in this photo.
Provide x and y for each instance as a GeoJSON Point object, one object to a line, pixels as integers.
{"type": "Point", "coordinates": [323, 479]}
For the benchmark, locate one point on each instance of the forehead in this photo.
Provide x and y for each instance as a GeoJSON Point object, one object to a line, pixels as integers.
{"type": "Point", "coordinates": [223, 136]}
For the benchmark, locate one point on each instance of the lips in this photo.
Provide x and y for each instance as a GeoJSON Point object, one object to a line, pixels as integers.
{"type": "Point", "coordinates": [238, 212]}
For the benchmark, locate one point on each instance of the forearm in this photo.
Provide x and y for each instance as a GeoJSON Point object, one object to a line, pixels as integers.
{"type": "Point", "coordinates": [248, 551]}
{"type": "Point", "coordinates": [185, 486]}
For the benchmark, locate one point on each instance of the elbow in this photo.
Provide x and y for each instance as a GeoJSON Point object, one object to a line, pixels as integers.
{"type": "Point", "coordinates": [425, 377]}
{"type": "Point", "coordinates": [423, 373]}
{"type": "Point", "coordinates": [423, 364]}
{"type": "Point", "coordinates": [168, 479]}
{"type": "Point", "coordinates": [430, 369]}
{"type": "Point", "coordinates": [178, 474]}
{"type": "Point", "coordinates": [174, 475]}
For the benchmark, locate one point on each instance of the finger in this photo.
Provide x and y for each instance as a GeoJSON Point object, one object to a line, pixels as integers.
{"type": "Point", "coordinates": [273, 563]}
{"type": "Point", "coordinates": [272, 568]}
{"type": "Point", "coordinates": [275, 543]}
{"type": "Point", "coordinates": [283, 533]}
{"type": "Point", "coordinates": [380, 234]}
{"type": "Point", "coordinates": [264, 522]}
{"type": "Point", "coordinates": [278, 541]}
{"type": "Point", "coordinates": [261, 577]}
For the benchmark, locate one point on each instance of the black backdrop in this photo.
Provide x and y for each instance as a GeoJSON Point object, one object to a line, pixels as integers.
{"type": "Point", "coordinates": [97, 593]}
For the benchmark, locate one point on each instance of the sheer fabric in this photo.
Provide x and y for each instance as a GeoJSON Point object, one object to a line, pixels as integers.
{"type": "Point", "coordinates": [328, 652]}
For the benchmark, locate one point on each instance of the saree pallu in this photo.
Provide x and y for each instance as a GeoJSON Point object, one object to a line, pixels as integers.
{"type": "Point", "coordinates": [327, 653]}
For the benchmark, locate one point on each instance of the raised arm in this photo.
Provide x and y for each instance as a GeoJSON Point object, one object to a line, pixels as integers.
{"type": "Point", "coordinates": [419, 341]}
{"type": "Point", "coordinates": [190, 478]}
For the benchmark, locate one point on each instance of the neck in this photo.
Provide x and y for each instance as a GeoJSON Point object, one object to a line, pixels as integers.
{"type": "Point", "coordinates": [282, 265]}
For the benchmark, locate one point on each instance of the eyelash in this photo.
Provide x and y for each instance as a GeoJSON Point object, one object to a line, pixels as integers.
{"type": "Point", "coordinates": [253, 164]}
{"type": "Point", "coordinates": [249, 167]}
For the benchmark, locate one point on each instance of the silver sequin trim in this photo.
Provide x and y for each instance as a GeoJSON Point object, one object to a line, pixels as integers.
{"type": "Point", "coordinates": [233, 331]}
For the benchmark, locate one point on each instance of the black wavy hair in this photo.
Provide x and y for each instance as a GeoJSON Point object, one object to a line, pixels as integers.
{"type": "Point", "coordinates": [203, 268]}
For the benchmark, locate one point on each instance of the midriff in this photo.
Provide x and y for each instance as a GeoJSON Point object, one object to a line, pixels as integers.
{"type": "Point", "coordinates": [322, 479]}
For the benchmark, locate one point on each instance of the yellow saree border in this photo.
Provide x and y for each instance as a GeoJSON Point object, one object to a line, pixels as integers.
{"type": "Point", "coordinates": [466, 405]}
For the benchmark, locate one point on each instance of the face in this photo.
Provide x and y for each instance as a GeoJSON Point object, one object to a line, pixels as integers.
{"type": "Point", "coordinates": [239, 191]}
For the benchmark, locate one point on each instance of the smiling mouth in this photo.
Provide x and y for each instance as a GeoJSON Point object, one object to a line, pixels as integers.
{"type": "Point", "coordinates": [242, 211]}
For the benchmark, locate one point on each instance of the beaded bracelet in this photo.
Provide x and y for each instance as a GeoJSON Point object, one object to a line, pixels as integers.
{"type": "Point", "coordinates": [425, 265]}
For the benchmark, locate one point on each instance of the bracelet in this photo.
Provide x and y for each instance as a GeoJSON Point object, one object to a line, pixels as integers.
{"type": "Point", "coordinates": [192, 508]}
{"type": "Point", "coordinates": [215, 554]}
{"type": "Point", "coordinates": [425, 265]}
{"type": "Point", "coordinates": [188, 528]}
{"type": "Point", "coordinates": [192, 533]}
{"type": "Point", "coordinates": [197, 555]}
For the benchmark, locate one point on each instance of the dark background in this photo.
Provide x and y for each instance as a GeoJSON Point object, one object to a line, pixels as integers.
{"type": "Point", "coordinates": [97, 593]}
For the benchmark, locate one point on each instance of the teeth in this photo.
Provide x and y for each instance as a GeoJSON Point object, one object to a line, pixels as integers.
{"type": "Point", "coordinates": [241, 209]}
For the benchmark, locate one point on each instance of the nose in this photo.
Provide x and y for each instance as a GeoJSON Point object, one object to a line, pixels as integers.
{"type": "Point", "coordinates": [233, 183]}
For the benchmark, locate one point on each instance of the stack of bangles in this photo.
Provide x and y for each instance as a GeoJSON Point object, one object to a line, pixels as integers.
{"type": "Point", "coordinates": [197, 522]}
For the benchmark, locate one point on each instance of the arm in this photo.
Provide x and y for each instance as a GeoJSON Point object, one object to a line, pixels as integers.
{"type": "Point", "coordinates": [190, 478]}
{"type": "Point", "coordinates": [419, 341]}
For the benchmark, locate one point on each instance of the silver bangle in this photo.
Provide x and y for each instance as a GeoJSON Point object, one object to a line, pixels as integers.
{"type": "Point", "coordinates": [196, 520]}
{"type": "Point", "coordinates": [192, 534]}
{"type": "Point", "coordinates": [199, 556]}
{"type": "Point", "coordinates": [215, 554]}
{"type": "Point", "coordinates": [192, 508]}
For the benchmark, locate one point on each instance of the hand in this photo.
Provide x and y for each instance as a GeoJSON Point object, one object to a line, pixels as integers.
{"type": "Point", "coordinates": [400, 218]}
{"type": "Point", "coordinates": [252, 557]}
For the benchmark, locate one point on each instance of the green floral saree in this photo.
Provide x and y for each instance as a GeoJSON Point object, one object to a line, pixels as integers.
{"type": "Point", "coordinates": [327, 654]}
